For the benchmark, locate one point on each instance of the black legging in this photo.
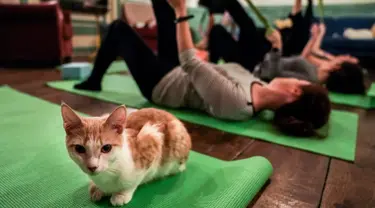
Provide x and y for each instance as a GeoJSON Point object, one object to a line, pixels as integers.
{"type": "Point", "coordinates": [295, 38]}
{"type": "Point", "coordinates": [146, 68]}
{"type": "Point", "coordinates": [252, 45]}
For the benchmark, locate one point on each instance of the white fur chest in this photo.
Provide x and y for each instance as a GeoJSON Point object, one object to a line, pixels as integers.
{"type": "Point", "coordinates": [120, 174]}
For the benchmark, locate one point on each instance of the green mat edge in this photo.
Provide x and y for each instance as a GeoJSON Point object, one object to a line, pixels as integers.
{"type": "Point", "coordinates": [368, 102]}
{"type": "Point", "coordinates": [232, 162]}
{"type": "Point", "coordinates": [350, 158]}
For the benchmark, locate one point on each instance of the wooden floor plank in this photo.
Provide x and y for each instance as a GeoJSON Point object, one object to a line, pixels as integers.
{"type": "Point", "coordinates": [298, 178]}
{"type": "Point", "coordinates": [217, 143]}
{"type": "Point", "coordinates": [353, 184]}
{"type": "Point", "coordinates": [349, 186]}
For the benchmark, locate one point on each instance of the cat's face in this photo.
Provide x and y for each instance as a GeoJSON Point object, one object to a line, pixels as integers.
{"type": "Point", "coordinates": [93, 143]}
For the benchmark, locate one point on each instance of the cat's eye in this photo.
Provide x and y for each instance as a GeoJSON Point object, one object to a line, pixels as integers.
{"type": "Point", "coordinates": [79, 149]}
{"type": "Point", "coordinates": [106, 148]}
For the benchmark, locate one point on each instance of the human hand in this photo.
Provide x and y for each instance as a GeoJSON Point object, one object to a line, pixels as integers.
{"type": "Point", "coordinates": [327, 67]}
{"type": "Point", "coordinates": [322, 29]}
{"type": "Point", "coordinates": [179, 6]}
{"type": "Point", "coordinates": [348, 58]}
{"type": "Point", "coordinates": [203, 44]}
{"type": "Point", "coordinates": [275, 39]}
{"type": "Point", "coordinates": [332, 65]}
{"type": "Point", "coordinates": [315, 30]}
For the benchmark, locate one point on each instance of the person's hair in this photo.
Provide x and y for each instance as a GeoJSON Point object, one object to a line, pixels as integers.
{"type": "Point", "coordinates": [349, 79]}
{"type": "Point", "coordinates": [306, 115]}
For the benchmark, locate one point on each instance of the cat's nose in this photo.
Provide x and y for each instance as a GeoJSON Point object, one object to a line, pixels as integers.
{"type": "Point", "coordinates": [92, 169]}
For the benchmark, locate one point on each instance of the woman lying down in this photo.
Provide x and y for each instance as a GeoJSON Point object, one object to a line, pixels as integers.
{"type": "Point", "coordinates": [294, 54]}
{"type": "Point", "coordinates": [340, 73]}
{"type": "Point", "coordinates": [177, 78]}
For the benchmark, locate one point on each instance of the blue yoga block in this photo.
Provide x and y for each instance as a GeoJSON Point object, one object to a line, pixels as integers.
{"type": "Point", "coordinates": [76, 71]}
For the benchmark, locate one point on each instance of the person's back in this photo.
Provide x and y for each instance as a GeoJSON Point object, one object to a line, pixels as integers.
{"type": "Point", "coordinates": [297, 67]}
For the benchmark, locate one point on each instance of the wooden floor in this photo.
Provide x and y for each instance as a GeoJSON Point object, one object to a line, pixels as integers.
{"type": "Point", "coordinates": [300, 179]}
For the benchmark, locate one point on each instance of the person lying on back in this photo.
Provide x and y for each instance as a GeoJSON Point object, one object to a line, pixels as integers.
{"type": "Point", "coordinates": [177, 78]}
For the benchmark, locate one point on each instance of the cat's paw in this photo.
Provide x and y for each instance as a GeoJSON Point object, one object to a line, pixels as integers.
{"type": "Point", "coordinates": [95, 193]}
{"type": "Point", "coordinates": [122, 198]}
{"type": "Point", "coordinates": [182, 167]}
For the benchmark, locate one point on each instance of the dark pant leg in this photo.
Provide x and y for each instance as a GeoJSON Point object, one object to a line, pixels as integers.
{"type": "Point", "coordinates": [294, 38]}
{"type": "Point", "coordinates": [123, 41]}
{"type": "Point", "coordinates": [167, 40]}
{"type": "Point", "coordinates": [299, 34]}
{"type": "Point", "coordinates": [222, 45]}
{"type": "Point", "coordinates": [309, 13]}
{"type": "Point", "coordinates": [252, 42]}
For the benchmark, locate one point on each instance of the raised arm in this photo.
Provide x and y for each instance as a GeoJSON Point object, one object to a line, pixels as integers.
{"type": "Point", "coordinates": [316, 49]}
{"type": "Point", "coordinates": [318, 53]}
{"type": "Point", "coordinates": [211, 23]}
{"type": "Point", "coordinates": [184, 37]}
{"type": "Point", "coordinates": [308, 49]}
{"type": "Point", "coordinates": [202, 45]}
{"type": "Point", "coordinates": [275, 39]}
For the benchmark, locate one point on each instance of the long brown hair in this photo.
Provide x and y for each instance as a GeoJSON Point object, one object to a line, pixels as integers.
{"type": "Point", "coordinates": [303, 117]}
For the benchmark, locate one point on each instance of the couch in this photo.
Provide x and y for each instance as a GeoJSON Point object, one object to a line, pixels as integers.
{"type": "Point", "coordinates": [35, 35]}
{"type": "Point", "coordinates": [335, 42]}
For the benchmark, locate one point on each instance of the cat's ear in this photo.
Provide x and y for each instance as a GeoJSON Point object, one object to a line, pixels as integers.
{"type": "Point", "coordinates": [117, 119]}
{"type": "Point", "coordinates": [70, 118]}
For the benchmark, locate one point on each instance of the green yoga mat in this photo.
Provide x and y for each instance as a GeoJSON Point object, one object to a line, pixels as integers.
{"type": "Point", "coordinates": [340, 143]}
{"type": "Point", "coordinates": [117, 66]}
{"type": "Point", "coordinates": [36, 170]}
{"type": "Point", "coordinates": [362, 101]}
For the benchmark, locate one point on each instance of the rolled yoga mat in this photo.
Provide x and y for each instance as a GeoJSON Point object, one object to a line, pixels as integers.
{"type": "Point", "coordinates": [340, 143]}
{"type": "Point", "coordinates": [36, 170]}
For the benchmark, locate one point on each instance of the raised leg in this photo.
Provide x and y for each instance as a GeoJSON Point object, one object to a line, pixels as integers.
{"type": "Point", "coordinates": [222, 45]}
{"type": "Point", "coordinates": [252, 42]}
{"type": "Point", "coordinates": [167, 42]}
{"type": "Point", "coordinates": [297, 7]}
{"type": "Point", "coordinates": [299, 34]}
{"type": "Point", "coordinates": [144, 66]}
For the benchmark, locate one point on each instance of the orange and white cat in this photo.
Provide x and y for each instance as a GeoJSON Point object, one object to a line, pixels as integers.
{"type": "Point", "coordinates": [120, 152]}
